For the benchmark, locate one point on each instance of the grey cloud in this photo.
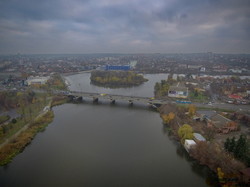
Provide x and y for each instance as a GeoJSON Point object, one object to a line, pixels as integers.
{"type": "Point", "coordinates": [127, 26]}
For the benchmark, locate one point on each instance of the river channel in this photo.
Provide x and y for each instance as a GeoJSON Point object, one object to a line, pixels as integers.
{"type": "Point", "coordinates": [104, 145]}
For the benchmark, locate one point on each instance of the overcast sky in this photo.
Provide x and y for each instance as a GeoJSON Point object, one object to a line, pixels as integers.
{"type": "Point", "coordinates": [124, 26]}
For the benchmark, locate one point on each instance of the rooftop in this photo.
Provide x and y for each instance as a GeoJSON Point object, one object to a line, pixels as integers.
{"type": "Point", "coordinates": [178, 88]}
{"type": "Point", "coordinates": [199, 137]}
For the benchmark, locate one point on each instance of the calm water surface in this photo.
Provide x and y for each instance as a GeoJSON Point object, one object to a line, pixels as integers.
{"type": "Point", "coordinates": [103, 145]}
{"type": "Point", "coordinates": [81, 82]}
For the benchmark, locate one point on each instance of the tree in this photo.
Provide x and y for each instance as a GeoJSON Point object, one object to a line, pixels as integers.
{"type": "Point", "coordinates": [14, 120]}
{"type": "Point", "coordinates": [191, 110]}
{"type": "Point", "coordinates": [167, 118]}
{"type": "Point", "coordinates": [185, 132]}
{"type": "Point", "coordinates": [196, 93]}
{"type": "Point", "coordinates": [157, 87]}
{"type": "Point", "coordinates": [209, 133]}
{"type": "Point", "coordinates": [241, 148]}
{"type": "Point", "coordinates": [226, 144]}
{"type": "Point", "coordinates": [231, 145]}
{"type": "Point", "coordinates": [1, 131]}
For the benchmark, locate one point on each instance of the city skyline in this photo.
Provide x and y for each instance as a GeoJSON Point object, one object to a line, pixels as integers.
{"type": "Point", "coordinates": [109, 26]}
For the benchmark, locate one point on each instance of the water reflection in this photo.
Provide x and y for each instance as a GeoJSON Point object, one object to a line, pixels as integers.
{"type": "Point", "coordinates": [200, 170]}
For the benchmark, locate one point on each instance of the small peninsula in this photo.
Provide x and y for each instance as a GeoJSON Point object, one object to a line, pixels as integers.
{"type": "Point", "coordinates": [116, 79]}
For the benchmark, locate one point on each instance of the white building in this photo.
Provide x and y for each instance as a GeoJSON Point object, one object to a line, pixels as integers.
{"type": "Point", "coordinates": [37, 80]}
{"type": "Point", "coordinates": [198, 137]}
{"type": "Point", "coordinates": [189, 144]}
{"type": "Point", "coordinates": [202, 69]}
{"type": "Point", "coordinates": [178, 92]}
{"type": "Point", "coordinates": [133, 63]}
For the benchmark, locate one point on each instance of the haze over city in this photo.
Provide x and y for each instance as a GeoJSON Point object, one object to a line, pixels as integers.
{"type": "Point", "coordinates": [110, 26]}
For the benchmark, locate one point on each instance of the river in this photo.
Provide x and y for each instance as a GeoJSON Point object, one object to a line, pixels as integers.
{"type": "Point", "coordinates": [104, 145]}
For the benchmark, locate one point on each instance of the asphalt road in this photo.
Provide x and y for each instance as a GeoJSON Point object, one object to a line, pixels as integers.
{"type": "Point", "coordinates": [234, 107]}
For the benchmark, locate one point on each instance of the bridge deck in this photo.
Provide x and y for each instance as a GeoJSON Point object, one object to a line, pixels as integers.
{"type": "Point", "coordinates": [144, 100]}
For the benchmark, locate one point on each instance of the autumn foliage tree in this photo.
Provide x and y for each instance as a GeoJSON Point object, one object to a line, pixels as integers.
{"type": "Point", "coordinates": [185, 132]}
{"type": "Point", "coordinates": [167, 118]}
{"type": "Point", "coordinates": [191, 110]}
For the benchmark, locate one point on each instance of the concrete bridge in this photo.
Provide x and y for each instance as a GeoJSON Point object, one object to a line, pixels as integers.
{"type": "Point", "coordinates": [112, 98]}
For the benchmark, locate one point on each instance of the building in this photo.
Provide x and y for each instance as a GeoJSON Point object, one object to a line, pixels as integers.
{"type": "Point", "coordinates": [189, 144]}
{"type": "Point", "coordinates": [194, 66]}
{"type": "Point", "coordinates": [133, 63]}
{"type": "Point", "coordinates": [198, 137]}
{"type": "Point", "coordinates": [178, 92]}
{"type": "Point", "coordinates": [235, 70]}
{"type": "Point", "coordinates": [213, 118]}
{"type": "Point", "coordinates": [206, 114]}
{"type": "Point", "coordinates": [37, 80]}
{"type": "Point", "coordinates": [234, 96]}
{"type": "Point", "coordinates": [248, 92]}
{"type": "Point", "coordinates": [202, 69]}
{"type": "Point", "coordinates": [183, 66]}
{"type": "Point", "coordinates": [121, 68]}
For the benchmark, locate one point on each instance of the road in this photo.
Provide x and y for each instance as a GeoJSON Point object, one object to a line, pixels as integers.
{"type": "Point", "coordinates": [233, 107]}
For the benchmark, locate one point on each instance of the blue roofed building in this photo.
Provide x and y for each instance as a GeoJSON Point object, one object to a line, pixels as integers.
{"type": "Point", "coordinates": [117, 67]}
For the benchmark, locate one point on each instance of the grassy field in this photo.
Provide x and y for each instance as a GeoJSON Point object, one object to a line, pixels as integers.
{"type": "Point", "coordinates": [4, 118]}
{"type": "Point", "coordinates": [198, 97]}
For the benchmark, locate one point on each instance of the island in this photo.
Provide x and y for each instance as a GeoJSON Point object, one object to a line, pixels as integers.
{"type": "Point", "coordinates": [116, 79]}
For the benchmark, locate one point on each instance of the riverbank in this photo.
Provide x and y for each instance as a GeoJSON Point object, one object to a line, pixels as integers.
{"type": "Point", "coordinates": [18, 141]}
{"type": "Point", "coordinates": [209, 153]}
{"type": "Point", "coordinates": [17, 144]}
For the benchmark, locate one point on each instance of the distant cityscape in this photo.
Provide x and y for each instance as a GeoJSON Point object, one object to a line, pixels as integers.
{"type": "Point", "coordinates": [209, 63]}
{"type": "Point", "coordinates": [19, 71]}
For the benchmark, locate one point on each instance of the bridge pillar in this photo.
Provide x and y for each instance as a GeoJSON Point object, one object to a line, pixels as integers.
{"type": "Point", "coordinates": [95, 99]}
{"type": "Point", "coordinates": [79, 98]}
{"type": "Point", "coordinates": [112, 101]}
{"type": "Point", "coordinates": [76, 98]}
{"type": "Point", "coordinates": [154, 105]}
{"type": "Point", "coordinates": [150, 104]}
{"type": "Point", "coordinates": [130, 102]}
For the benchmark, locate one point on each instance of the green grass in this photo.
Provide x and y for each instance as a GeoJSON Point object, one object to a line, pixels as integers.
{"type": "Point", "coordinates": [199, 98]}
{"type": "Point", "coordinates": [4, 118]}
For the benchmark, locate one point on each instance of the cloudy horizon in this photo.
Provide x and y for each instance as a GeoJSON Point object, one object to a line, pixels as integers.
{"type": "Point", "coordinates": [124, 26]}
